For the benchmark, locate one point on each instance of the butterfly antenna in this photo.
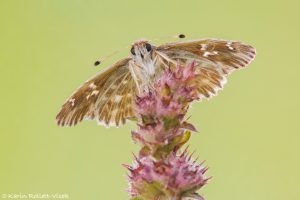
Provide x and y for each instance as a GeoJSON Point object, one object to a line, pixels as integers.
{"type": "Point", "coordinates": [180, 36]}
{"type": "Point", "coordinates": [101, 60]}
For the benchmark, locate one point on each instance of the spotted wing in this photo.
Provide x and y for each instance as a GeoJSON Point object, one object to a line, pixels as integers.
{"type": "Point", "coordinates": [107, 98]}
{"type": "Point", "coordinates": [215, 59]}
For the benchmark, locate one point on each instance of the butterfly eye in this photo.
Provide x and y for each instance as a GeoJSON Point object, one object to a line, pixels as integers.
{"type": "Point", "coordinates": [148, 47]}
{"type": "Point", "coordinates": [132, 51]}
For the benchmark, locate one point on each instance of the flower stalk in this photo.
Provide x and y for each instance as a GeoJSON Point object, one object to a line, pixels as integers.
{"type": "Point", "coordinates": [162, 171]}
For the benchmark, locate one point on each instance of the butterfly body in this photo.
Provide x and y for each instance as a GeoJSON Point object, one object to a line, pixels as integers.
{"type": "Point", "coordinates": [142, 66]}
{"type": "Point", "coordinates": [108, 97]}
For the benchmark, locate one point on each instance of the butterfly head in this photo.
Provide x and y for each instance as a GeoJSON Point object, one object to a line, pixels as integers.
{"type": "Point", "coordinates": [141, 50]}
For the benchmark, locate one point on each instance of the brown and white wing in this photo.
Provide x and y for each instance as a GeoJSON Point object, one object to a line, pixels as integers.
{"type": "Point", "coordinates": [107, 98]}
{"type": "Point", "coordinates": [215, 59]}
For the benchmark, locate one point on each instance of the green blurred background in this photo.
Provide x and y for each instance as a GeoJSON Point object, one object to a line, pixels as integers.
{"type": "Point", "coordinates": [249, 133]}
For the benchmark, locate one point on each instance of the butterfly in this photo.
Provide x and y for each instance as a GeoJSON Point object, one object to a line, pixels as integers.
{"type": "Point", "coordinates": [108, 97]}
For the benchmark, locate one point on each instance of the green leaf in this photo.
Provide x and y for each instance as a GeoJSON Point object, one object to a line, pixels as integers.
{"type": "Point", "coordinates": [170, 122]}
{"type": "Point", "coordinates": [134, 119]}
{"type": "Point", "coordinates": [178, 141]}
{"type": "Point", "coordinates": [137, 198]}
{"type": "Point", "coordinates": [184, 138]}
{"type": "Point", "coordinates": [191, 196]}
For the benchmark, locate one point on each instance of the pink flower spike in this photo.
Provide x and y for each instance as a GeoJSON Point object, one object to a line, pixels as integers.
{"type": "Point", "coordinates": [162, 171]}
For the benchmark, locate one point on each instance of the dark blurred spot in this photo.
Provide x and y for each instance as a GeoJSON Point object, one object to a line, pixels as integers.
{"type": "Point", "coordinates": [97, 63]}
{"type": "Point", "coordinates": [181, 36]}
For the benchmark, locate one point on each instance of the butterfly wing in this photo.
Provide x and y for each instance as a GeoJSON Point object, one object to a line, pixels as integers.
{"type": "Point", "coordinates": [215, 59]}
{"type": "Point", "coordinates": [107, 97]}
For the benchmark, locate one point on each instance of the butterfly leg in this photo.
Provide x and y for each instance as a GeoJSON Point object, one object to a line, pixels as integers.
{"type": "Point", "coordinates": [134, 76]}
